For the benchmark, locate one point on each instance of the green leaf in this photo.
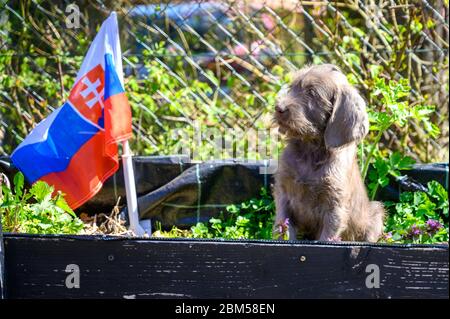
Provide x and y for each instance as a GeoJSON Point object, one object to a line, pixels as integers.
{"type": "Point", "coordinates": [61, 203]}
{"type": "Point", "coordinates": [41, 191]}
{"type": "Point", "coordinates": [18, 184]}
{"type": "Point", "coordinates": [384, 181]}
{"type": "Point", "coordinates": [375, 70]}
{"type": "Point", "coordinates": [250, 100]}
{"type": "Point", "coordinates": [396, 236]}
{"type": "Point", "coordinates": [395, 158]}
{"type": "Point", "coordinates": [405, 163]}
{"type": "Point", "coordinates": [215, 221]}
{"type": "Point", "coordinates": [437, 190]}
{"type": "Point", "coordinates": [44, 226]}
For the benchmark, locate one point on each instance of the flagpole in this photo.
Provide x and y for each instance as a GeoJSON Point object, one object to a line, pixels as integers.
{"type": "Point", "coordinates": [130, 188]}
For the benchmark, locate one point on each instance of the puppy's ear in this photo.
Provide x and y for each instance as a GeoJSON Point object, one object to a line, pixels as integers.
{"type": "Point", "coordinates": [348, 121]}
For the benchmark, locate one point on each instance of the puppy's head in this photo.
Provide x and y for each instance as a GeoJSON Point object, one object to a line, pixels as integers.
{"type": "Point", "coordinates": [321, 106]}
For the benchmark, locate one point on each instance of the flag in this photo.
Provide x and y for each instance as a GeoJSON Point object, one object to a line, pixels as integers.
{"type": "Point", "coordinates": [75, 147]}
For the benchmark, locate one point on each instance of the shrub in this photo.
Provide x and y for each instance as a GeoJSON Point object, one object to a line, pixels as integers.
{"type": "Point", "coordinates": [419, 217]}
{"type": "Point", "coordinates": [252, 219]}
{"type": "Point", "coordinates": [36, 211]}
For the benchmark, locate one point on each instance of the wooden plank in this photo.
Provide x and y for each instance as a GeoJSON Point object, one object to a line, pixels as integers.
{"type": "Point", "coordinates": [137, 268]}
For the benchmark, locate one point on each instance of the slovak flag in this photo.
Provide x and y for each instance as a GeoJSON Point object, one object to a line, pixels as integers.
{"type": "Point", "coordinates": [75, 147]}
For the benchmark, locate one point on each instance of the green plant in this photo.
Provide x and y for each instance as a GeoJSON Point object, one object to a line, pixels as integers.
{"type": "Point", "coordinates": [395, 113]}
{"type": "Point", "coordinates": [174, 232]}
{"type": "Point", "coordinates": [356, 38]}
{"type": "Point", "coordinates": [386, 168]}
{"type": "Point", "coordinates": [252, 219]}
{"type": "Point", "coordinates": [173, 108]}
{"type": "Point", "coordinates": [38, 64]}
{"type": "Point", "coordinates": [36, 211]}
{"type": "Point", "coordinates": [40, 57]}
{"type": "Point", "coordinates": [419, 217]}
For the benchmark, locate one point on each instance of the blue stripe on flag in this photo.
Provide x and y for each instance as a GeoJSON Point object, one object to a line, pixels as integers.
{"type": "Point", "coordinates": [65, 135]}
{"type": "Point", "coordinates": [112, 82]}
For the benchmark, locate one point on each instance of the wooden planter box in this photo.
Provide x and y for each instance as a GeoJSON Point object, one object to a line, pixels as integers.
{"type": "Point", "coordinates": [112, 267]}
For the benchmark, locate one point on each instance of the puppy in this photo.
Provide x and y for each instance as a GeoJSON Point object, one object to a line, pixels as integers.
{"type": "Point", "coordinates": [318, 186]}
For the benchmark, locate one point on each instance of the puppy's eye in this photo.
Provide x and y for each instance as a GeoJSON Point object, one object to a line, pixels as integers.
{"type": "Point", "coordinates": [308, 91]}
{"type": "Point", "coordinates": [333, 99]}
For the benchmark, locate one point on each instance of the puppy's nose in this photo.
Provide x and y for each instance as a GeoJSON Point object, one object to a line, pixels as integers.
{"type": "Point", "coordinates": [279, 108]}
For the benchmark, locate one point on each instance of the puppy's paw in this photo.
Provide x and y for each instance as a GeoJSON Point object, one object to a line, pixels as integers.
{"type": "Point", "coordinates": [281, 230]}
{"type": "Point", "coordinates": [334, 239]}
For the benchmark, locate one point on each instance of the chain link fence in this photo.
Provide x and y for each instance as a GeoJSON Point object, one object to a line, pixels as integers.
{"type": "Point", "coordinates": [220, 64]}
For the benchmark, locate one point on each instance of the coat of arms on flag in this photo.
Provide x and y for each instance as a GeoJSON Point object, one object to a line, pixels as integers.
{"type": "Point", "coordinates": [75, 147]}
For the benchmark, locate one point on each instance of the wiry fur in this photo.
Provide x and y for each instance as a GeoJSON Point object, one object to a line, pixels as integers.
{"type": "Point", "coordinates": [318, 185]}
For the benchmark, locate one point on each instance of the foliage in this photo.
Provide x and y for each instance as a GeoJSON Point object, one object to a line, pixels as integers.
{"type": "Point", "coordinates": [180, 86]}
{"type": "Point", "coordinates": [36, 211]}
{"type": "Point", "coordinates": [389, 68]}
{"type": "Point", "coordinates": [384, 169]}
{"type": "Point", "coordinates": [175, 113]}
{"type": "Point", "coordinates": [175, 232]}
{"type": "Point", "coordinates": [397, 113]}
{"type": "Point", "coordinates": [252, 219]}
{"type": "Point", "coordinates": [180, 80]}
{"type": "Point", "coordinates": [419, 217]}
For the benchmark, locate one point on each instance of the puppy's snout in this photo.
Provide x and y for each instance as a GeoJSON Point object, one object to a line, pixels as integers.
{"type": "Point", "coordinates": [280, 109]}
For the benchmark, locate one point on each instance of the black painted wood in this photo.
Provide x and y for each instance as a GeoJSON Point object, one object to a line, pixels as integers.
{"type": "Point", "coordinates": [151, 268]}
{"type": "Point", "coordinates": [2, 264]}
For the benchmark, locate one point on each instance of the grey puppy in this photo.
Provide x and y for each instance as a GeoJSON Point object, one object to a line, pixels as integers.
{"type": "Point", "coordinates": [318, 185]}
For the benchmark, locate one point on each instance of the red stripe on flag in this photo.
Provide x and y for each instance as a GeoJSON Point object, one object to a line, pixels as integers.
{"type": "Point", "coordinates": [87, 171]}
{"type": "Point", "coordinates": [117, 117]}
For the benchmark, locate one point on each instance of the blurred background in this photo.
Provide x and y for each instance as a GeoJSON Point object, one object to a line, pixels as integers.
{"type": "Point", "coordinates": [220, 64]}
